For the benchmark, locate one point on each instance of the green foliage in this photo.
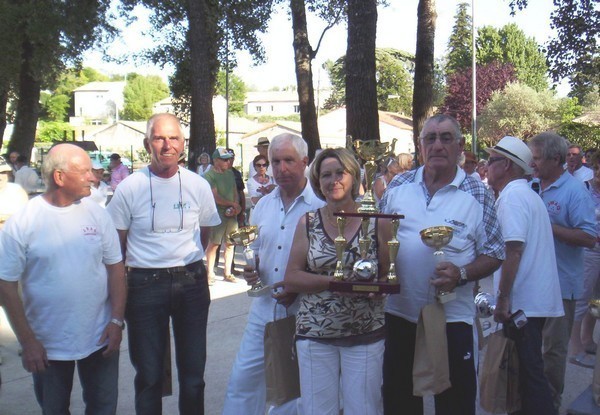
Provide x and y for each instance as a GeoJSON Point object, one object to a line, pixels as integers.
{"type": "Point", "coordinates": [584, 135]}
{"type": "Point", "coordinates": [237, 91]}
{"type": "Point", "coordinates": [568, 109]}
{"type": "Point", "coordinates": [50, 131]}
{"type": "Point", "coordinates": [459, 44]}
{"type": "Point", "coordinates": [520, 111]}
{"type": "Point", "coordinates": [273, 118]}
{"type": "Point", "coordinates": [140, 93]}
{"type": "Point", "coordinates": [510, 45]}
{"type": "Point", "coordinates": [394, 81]}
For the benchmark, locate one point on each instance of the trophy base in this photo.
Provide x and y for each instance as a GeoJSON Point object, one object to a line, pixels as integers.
{"type": "Point", "coordinates": [366, 287]}
{"type": "Point", "coordinates": [444, 297]}
{"type": "Point", "coordinates": [258, 291]}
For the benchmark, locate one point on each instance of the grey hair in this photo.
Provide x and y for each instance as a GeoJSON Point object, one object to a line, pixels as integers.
{"type": "Point", "coordinates": [295, 140]}
{"type": "Point", "coordinates": [575, 146]}
{"type": "Point", "coordinates": [440, 118]}
{"type": "Point", "coordinates": [156, 117]}
{"type": "Point", "coordinates": [54, 160]}
{"type": "Point", "coordinates": [552, 145]}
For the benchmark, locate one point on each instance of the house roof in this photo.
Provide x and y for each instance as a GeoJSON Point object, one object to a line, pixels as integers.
{"type": "Point", "coordinates": [100, 86]}
{"type": "Point", "coordinates": [592, 117]}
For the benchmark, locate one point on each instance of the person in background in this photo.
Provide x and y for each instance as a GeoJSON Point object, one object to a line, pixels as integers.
{"type": "Point", "coordinates": [392, 166]}
{"type": "Point", "coordinates": [118, 171]}
{"type": "Point", "coordinates": [339, 337]}
{"type": "Point", "coordinates": [575, 164]}
{"type": "Point", "coordinates": [262, 146]}
{"type": "Point", "coordinates": [64, 251]}
{"type": "Point", "coordinates": [12, 161]}
{"type": "Point", "coordinates": [529, 267]}
{"type": "Point", "coordinates": [582, 346]}
{"type": "Point", "coordinates": [276, 216]}
{"type": "Point", "coordinates": [222, 182]}
{"type": "Point", "coordinates": [571, 211]}
{"type": "Point", "coordinates": [25, 176]}
{"type": "Point", "coordinates": [470, 165]}
{"type": "Point", "coordinates": [99, 189]}
{"type": "Point", "coordinates": [203, 164]}
{"type": "Point", "coordinates": [261, 184]}
{"type": "Point", "coordinates": [162, 213]}
{"type": "Point", "coordinates": [239, 184]}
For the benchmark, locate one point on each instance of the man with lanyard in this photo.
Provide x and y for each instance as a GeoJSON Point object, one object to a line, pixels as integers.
{"type": "Point", "coordinates": [438, 194]}
{"type": "Point", "coordinates": [571, 212]}
{"type": "Point", "coordinates": [161, 213]}
{"type": "Point", "coordinates": [276, 216]}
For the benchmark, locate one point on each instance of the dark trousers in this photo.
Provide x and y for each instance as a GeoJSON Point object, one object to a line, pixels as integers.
{"type": "Point", "coordinates": [155, 296]}
{"type": "Point", "coordinates": [534, 389]}
{"type": "Point", "coordinates": [398, 359]}
{"type": "Point", "coordinates": [99, 377]}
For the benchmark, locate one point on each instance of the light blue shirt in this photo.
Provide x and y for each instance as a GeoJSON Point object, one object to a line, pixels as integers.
{"type": "Point", "coordinates": [569, 204]}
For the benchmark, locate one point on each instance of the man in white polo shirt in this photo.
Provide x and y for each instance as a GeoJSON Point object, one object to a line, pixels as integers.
{"type": "Point", "coordinates": [439, 193]}
{"type": "Point", "coordinates": [528, 278]}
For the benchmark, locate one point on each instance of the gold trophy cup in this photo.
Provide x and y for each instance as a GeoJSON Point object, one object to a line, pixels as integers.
{"type": "Point", "coordinates": [438, 237]}
{"type": "Point", "coordinates": [245, 236]}
{"type": "Point", "coordinates": [371, 151]}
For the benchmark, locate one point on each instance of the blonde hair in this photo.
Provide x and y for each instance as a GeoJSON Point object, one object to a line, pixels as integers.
{"type": "Point", "coordinates": [405, 161]}
{"type": "Point", "coordinates": [348, 162]}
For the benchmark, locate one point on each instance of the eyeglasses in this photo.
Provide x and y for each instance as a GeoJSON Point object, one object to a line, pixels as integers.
{"type": "Point", "coordinates": [179, 206]}
{"type": "Point", "coordinates": [445, 138]}
{"type": "Point", "coordinates": [261, 164]}
{"type": "Point", "coordinates": [573, 154]}
{"type": "Point", "coordinates": [492, 160]}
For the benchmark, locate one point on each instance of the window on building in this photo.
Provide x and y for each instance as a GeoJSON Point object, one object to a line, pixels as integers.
{"type": "Point", "coordinates": [297, 109]}
{"type": "Point", "coordinates": [258, 108]}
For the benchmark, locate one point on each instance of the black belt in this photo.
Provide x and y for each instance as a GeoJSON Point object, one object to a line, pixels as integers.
{"type": "Point", "coordinates": [193, 267]}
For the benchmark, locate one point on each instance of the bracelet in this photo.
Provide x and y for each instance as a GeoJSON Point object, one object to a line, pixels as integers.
{"type": "Point", "coordinates": [118, 322]}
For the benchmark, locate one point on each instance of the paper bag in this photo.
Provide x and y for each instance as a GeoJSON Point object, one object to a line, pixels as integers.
{"type": "Point", "coordinates": [499, 386]}
{"type": "Point", "coordinates": [281, 364]}
{"type": "Point", "coordinates": [431, 373]}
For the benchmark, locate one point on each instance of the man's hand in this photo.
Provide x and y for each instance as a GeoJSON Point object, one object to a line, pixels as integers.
{"type": "Point", "coordinates": [34, 356]}
{"type": "Point", "coordinates": [447, 275]}
{"type": "Point", "coordinates": [114, 334]}
{"type": "Point", "coordinates": [250, 275]}
{"type": "Point", "coordinates": [282, 296]}
{"type": "Point", "coordinates": [502, 311]}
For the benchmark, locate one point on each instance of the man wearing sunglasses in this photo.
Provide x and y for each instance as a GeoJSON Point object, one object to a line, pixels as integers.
{"type": "Point", "coordinates": [162, 214]}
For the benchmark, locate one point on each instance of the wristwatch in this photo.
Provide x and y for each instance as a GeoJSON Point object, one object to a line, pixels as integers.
{"type": "Point", "coordinates": [118, 322]}
{"type": "Point", "coordinates": [462, 279]}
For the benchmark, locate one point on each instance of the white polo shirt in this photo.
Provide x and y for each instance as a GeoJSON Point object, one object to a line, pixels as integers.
{"type": "Point", "coordinates": [468, 208]}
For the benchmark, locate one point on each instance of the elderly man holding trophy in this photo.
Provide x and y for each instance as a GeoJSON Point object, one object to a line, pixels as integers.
{"type": "Point", "coordinates": [449, 238]}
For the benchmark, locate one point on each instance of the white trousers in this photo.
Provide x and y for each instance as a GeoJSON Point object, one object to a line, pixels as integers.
{"type": "Point", "coordinates": [247, 391]}
{"type": "Point", "coordinates": [324, 368]}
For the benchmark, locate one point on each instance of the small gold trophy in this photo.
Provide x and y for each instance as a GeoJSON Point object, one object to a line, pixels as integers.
{"type": "Point", "coordinates": [245, 236]}
{"type": "Point", "coordinates": [438, 237]}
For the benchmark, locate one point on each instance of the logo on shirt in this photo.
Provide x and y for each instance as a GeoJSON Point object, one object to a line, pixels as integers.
{"type": "Point", "coordinates": [553, 207]}
{"type": "Point", "coordinates": [90, 233]}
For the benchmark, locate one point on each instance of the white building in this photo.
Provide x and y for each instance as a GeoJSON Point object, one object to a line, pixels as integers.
{"type": "Point", "coordinates": [98, 102]}
{"type": "Point", "coordinates": [272, 103]}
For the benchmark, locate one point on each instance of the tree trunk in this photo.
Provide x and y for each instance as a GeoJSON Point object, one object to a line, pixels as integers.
{"type": "Point", "coordinates": [362, 118]}
{"type": "Point", "coordinates": [3, 104]}
{"type": "Point", "coordinates": [424, 78]}
{"type": "Point", "coordinates": [28, 104]}
{"type": "Point", "coordinates": [202, 41]}
{"type": "Point", "coordinates": [303, 55]}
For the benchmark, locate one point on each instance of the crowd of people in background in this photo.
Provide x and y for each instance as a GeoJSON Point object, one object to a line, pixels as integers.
{"type": "Point", "coordinates": [528, 214]}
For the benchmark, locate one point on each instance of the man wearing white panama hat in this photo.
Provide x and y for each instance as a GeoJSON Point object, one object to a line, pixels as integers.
{"type": "Point", "coordinates": [529, 267]}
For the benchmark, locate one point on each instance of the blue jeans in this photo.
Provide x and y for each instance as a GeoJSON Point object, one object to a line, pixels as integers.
{"type": "Point", "coordinates": [155, 296]}
{"type": "Point", "coordinates": [398, 360]}
{"type": "Point", "coordinates": [99, 378]}
{"type": "Point", "coordinates": [534, 389]}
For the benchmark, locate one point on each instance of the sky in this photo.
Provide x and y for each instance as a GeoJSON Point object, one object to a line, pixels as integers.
{"type": "Point", "coordinates": [396, 28]}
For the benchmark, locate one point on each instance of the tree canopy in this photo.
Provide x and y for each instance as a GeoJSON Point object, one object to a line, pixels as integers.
{"type": "Point", "coordinates": [140, 94]}
{"type": "Point", "coordinates": [459, 45]}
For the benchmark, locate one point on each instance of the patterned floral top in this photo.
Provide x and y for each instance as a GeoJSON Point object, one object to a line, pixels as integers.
{"type": "Point", "coordinates": [327, 315]}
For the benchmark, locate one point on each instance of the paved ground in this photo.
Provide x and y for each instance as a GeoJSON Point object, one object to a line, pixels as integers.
{"type": "Point", "coordinates": [226, 322]}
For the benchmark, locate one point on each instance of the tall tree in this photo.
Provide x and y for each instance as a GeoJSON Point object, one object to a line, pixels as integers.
{"type": "Point", "coordinates": [459, 44]}
{"type": "Point", "coordinates": [49, 34]}
{"type": "Point", "coordinates": [424, 66]}
{"type": "Point", "coordinates": [510, 45]}
{"type": "Point", "coordinates": [362, 118]}
{"type": "Point", "coordinates": [574, 52]}
{"type": "Point", "coordinates": [237, 91]}
{"type": "Point", "coordinates": [140, 94]}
